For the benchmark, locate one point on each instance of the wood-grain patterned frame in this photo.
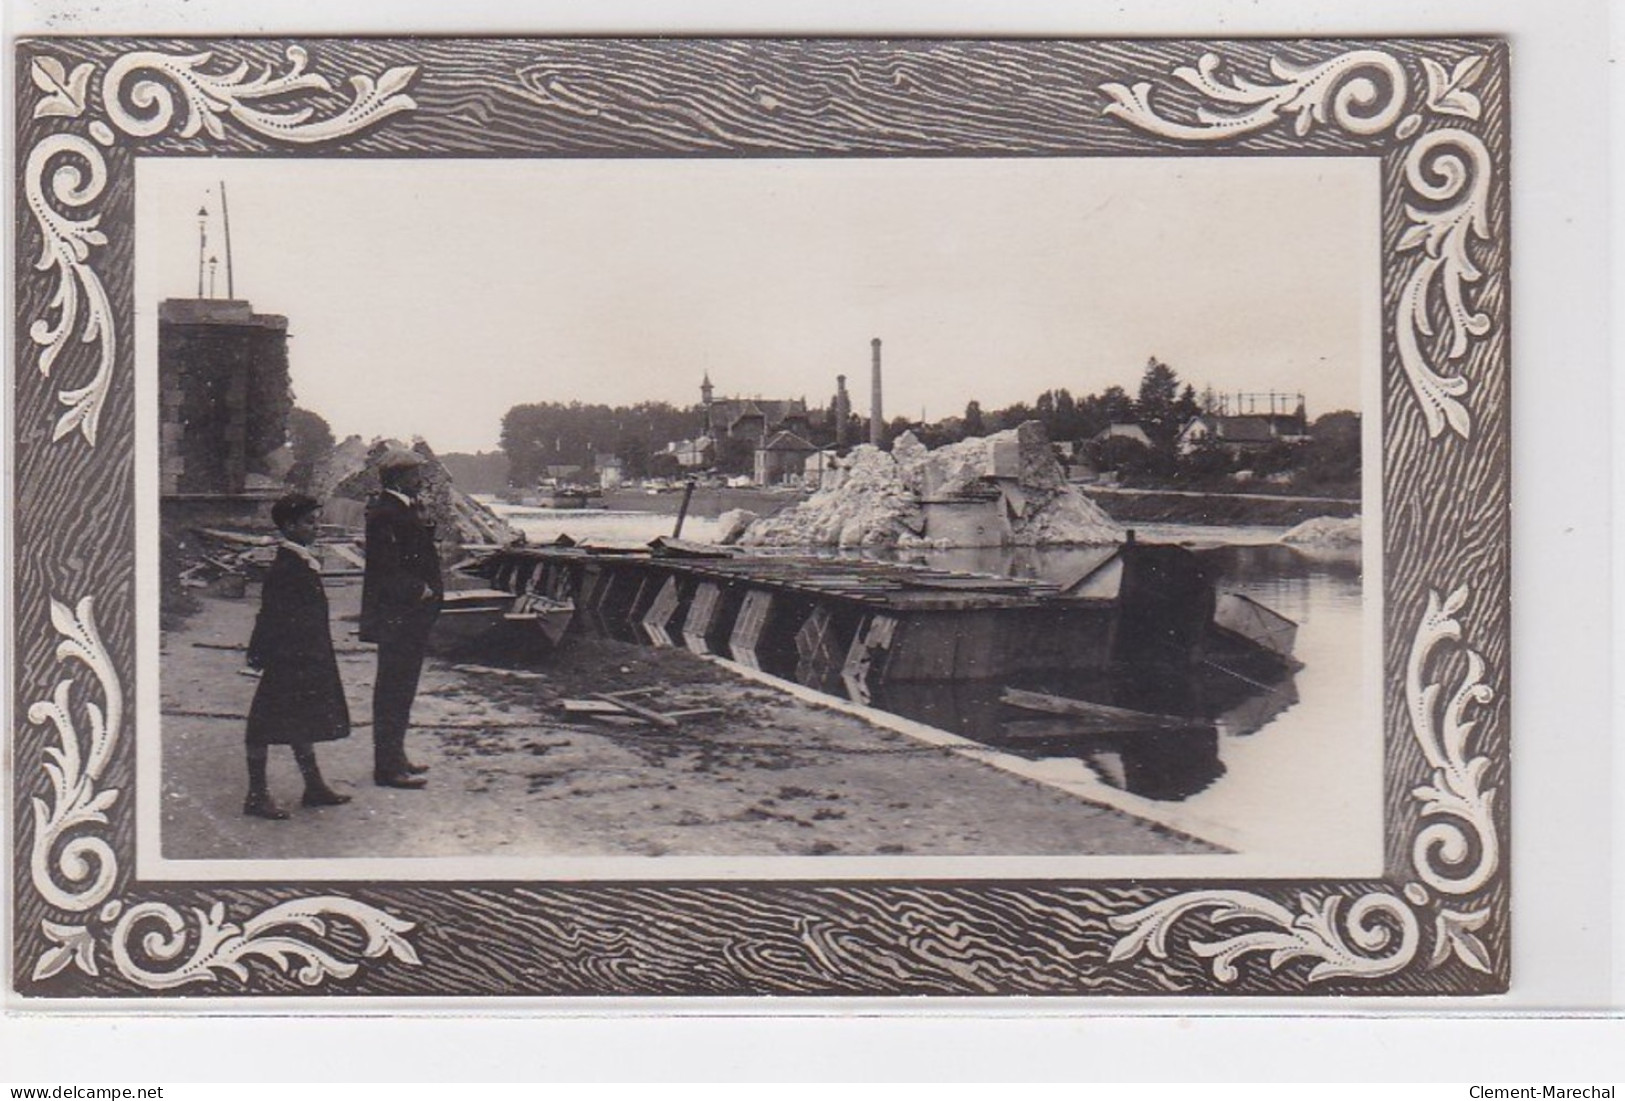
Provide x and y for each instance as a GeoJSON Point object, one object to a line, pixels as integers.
{"type": "Point", "coordinates": [1432, 111]}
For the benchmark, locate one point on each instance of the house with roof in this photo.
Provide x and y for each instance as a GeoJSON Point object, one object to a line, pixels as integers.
{"type": "Point", "coordinates": [1243, 433]}
{"type": "Point", "coordinates": [783, 458]}
{"type": "Point", "coordinates": [698, 452]}
{"type": "Point", "coordinates": [754, 420]}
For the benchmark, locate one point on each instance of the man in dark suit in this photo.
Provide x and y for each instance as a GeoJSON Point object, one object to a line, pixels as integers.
{"type": "Point", "coordinates": [400, 598]}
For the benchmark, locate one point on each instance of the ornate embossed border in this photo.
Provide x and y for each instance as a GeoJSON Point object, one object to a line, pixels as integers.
{"type": "Point", "coordinates": [1432, 112]}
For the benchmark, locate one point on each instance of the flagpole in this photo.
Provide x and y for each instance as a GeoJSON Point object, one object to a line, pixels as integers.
{"type": "Point", "coordinates": [225, 220]}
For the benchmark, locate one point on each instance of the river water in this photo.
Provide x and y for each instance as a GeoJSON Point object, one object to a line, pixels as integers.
{"type": "Point", "coordinates": [1287, 772]}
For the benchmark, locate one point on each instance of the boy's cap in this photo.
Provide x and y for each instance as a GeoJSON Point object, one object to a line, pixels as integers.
{"type": "Point", "coordinates": [292, 506]}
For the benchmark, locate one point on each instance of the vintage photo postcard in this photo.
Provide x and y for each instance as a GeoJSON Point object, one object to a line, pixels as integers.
{"type": "Point", "coordinates": [539, 518]}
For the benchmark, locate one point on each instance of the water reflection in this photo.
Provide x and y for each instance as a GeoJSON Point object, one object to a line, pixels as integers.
{"type": "Point", "coordinates": [1321, 591]}
{"type": "Point", "coordinates": [1258, 755]}
{"type": "Point", "coordinates": [1171, 752]}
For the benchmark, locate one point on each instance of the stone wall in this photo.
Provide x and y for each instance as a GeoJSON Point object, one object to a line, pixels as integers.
{"type": "Point", "coordinates": [223, 394]}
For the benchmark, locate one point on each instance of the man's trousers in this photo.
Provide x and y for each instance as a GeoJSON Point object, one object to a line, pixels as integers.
{"type": "Point", "coordinates": [400, 661]}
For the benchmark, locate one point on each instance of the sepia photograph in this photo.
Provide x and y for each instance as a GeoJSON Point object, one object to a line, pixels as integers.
{"type": "Point", "coordinates": [588, 517]}
{"type": "Point", "coordinates": [696, 592]}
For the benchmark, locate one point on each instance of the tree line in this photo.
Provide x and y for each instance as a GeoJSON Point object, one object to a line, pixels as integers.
{"type": "Point", "coordinates": [1161, 406]}
{"type": "Point", "coordinates": [539, 438]}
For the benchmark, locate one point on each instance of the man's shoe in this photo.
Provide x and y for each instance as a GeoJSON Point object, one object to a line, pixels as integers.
{"type": "Point", "coordinates": [261, 806]}
{"type": "Point", "coordinates": [414, 768]}
{"type": "Point", "coordinates": [399, 780]}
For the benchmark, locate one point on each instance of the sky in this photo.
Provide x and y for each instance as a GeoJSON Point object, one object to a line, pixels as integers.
{"type": "Point", "coordinates": [427, 297]}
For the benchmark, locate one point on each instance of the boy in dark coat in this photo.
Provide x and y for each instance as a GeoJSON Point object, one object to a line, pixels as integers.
{"type": "Point", "coordinates": [401, 590]}
{"type": "Point", "coordinates": [300, 699]}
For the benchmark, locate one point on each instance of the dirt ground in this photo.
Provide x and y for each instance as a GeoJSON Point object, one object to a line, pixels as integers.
{"type": "Point", "coordinates": [511, 776]}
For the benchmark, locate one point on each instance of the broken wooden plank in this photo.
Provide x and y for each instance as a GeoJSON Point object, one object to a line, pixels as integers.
{"type": "Point", "coordinates": [497, 670]}
{"type": "Point", "coordinates": [349, 554]}
{"type": "Point", "coordinates": [622, 720]}
{"type": "Point", "coordinates": [1090, 716]}
{"type": "Point", "coordinates": [638, 709]}
{"type": "Point", "coordinates": [592, 707]}
{"type": "Point", "coordinates": [240, 538]}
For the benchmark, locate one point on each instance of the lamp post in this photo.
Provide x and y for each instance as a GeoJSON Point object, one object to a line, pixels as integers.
{"type": "Point", "coordinates": [202, 244]}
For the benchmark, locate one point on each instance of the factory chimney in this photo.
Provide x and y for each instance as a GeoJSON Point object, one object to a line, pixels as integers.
{"type": "Point", "coordinates": [843, 411]}
{"type": "Point", "coordinates": [877, 426]}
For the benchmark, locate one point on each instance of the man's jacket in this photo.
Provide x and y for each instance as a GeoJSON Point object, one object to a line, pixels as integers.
{"type": "Point", "coordinates": [401, 587]}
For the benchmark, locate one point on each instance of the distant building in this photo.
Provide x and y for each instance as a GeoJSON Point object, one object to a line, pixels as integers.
{"type": "Point", "coordinates": [820, 465]}
{"type": "Point", "coordinates": [783, 459]}
{"type": "Point", "coordinates": [611, 471]}
{"type": "Point", "coordinates": [223, 395]}
{"type": "Point", "coordinates": [1245, 432]}
{"type": "Point", "coordinates": [754, 420]}
{"type": "Point", "coordinates": [693, 454]}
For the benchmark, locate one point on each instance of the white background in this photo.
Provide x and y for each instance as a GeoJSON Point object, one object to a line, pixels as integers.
{"type": "Point", "coordinates": [1567, 859]}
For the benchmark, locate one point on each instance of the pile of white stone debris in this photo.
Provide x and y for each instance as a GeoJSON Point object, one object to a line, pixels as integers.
{"type": "Point", "coordinates": [1326, 533]}
{"type": "Point", "coordinates": [875, 498]}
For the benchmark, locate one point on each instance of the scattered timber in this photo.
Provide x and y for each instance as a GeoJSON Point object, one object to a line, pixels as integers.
{"type": "Point", "coordinates": [631, 705]}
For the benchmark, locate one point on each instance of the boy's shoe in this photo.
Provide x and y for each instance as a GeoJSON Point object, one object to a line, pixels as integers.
{"type": "Point", "coordinates": [323, 797]}
{"type": "Point", "coordinates": [259, 805]}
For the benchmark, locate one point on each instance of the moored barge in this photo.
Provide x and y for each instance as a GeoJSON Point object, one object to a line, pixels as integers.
{"type": "Point", "coordinates": [853, 627]}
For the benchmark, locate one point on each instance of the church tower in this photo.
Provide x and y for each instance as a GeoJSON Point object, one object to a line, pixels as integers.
{"type": "Point", "coordinates": [705, 402]}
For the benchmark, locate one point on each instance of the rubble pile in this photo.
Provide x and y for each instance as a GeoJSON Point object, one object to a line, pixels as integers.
{"type": "Point", "coordinates": [866, 504]}
{"type": "Point", "coordinates": [880, 499]}
{"type": "Point", "coordinates": [212, 553]}
{"type": "Point", "coordinates": [220, 556]}
{"type": "Point", "coordinates": [1325, 533]}
{"type": "Point", "coordinates": [459, 519]}
{"type": "Point", "coordinates": [733, 524]}
{"type": "Point", "coordinates": [348, 458]}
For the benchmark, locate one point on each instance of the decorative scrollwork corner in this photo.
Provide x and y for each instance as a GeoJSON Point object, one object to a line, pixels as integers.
{"type": "Point", "coordinates": [149, 106]}
{"type": "Point", "coordinates": [64, 93]}
{"type": "Point", "coordinates": [273, 936]}
{"type": "Point", "coordinates": [72, 869]}
{"type": "Point", "coordinates": [1456, 856]}
{"type": "Point", "coordinates": [1447, 92]}
{"type": "Point", "coordinates": [1340, 91]}
{"type": "Point", "coordinates": [1467, 839]}
{"type": "Point", "coordinates": [78, 179]}
{"type": "Point", "coordinates": [1454, 935]}
{"type": "Point", "coordinates": [65, 172]}
{"type": "Point", "coordinates": [1448, 171]}
{"type": "Point", "coordinates": [1378, 936]}
{"type": "Point", "coordinates": [71, 946]}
